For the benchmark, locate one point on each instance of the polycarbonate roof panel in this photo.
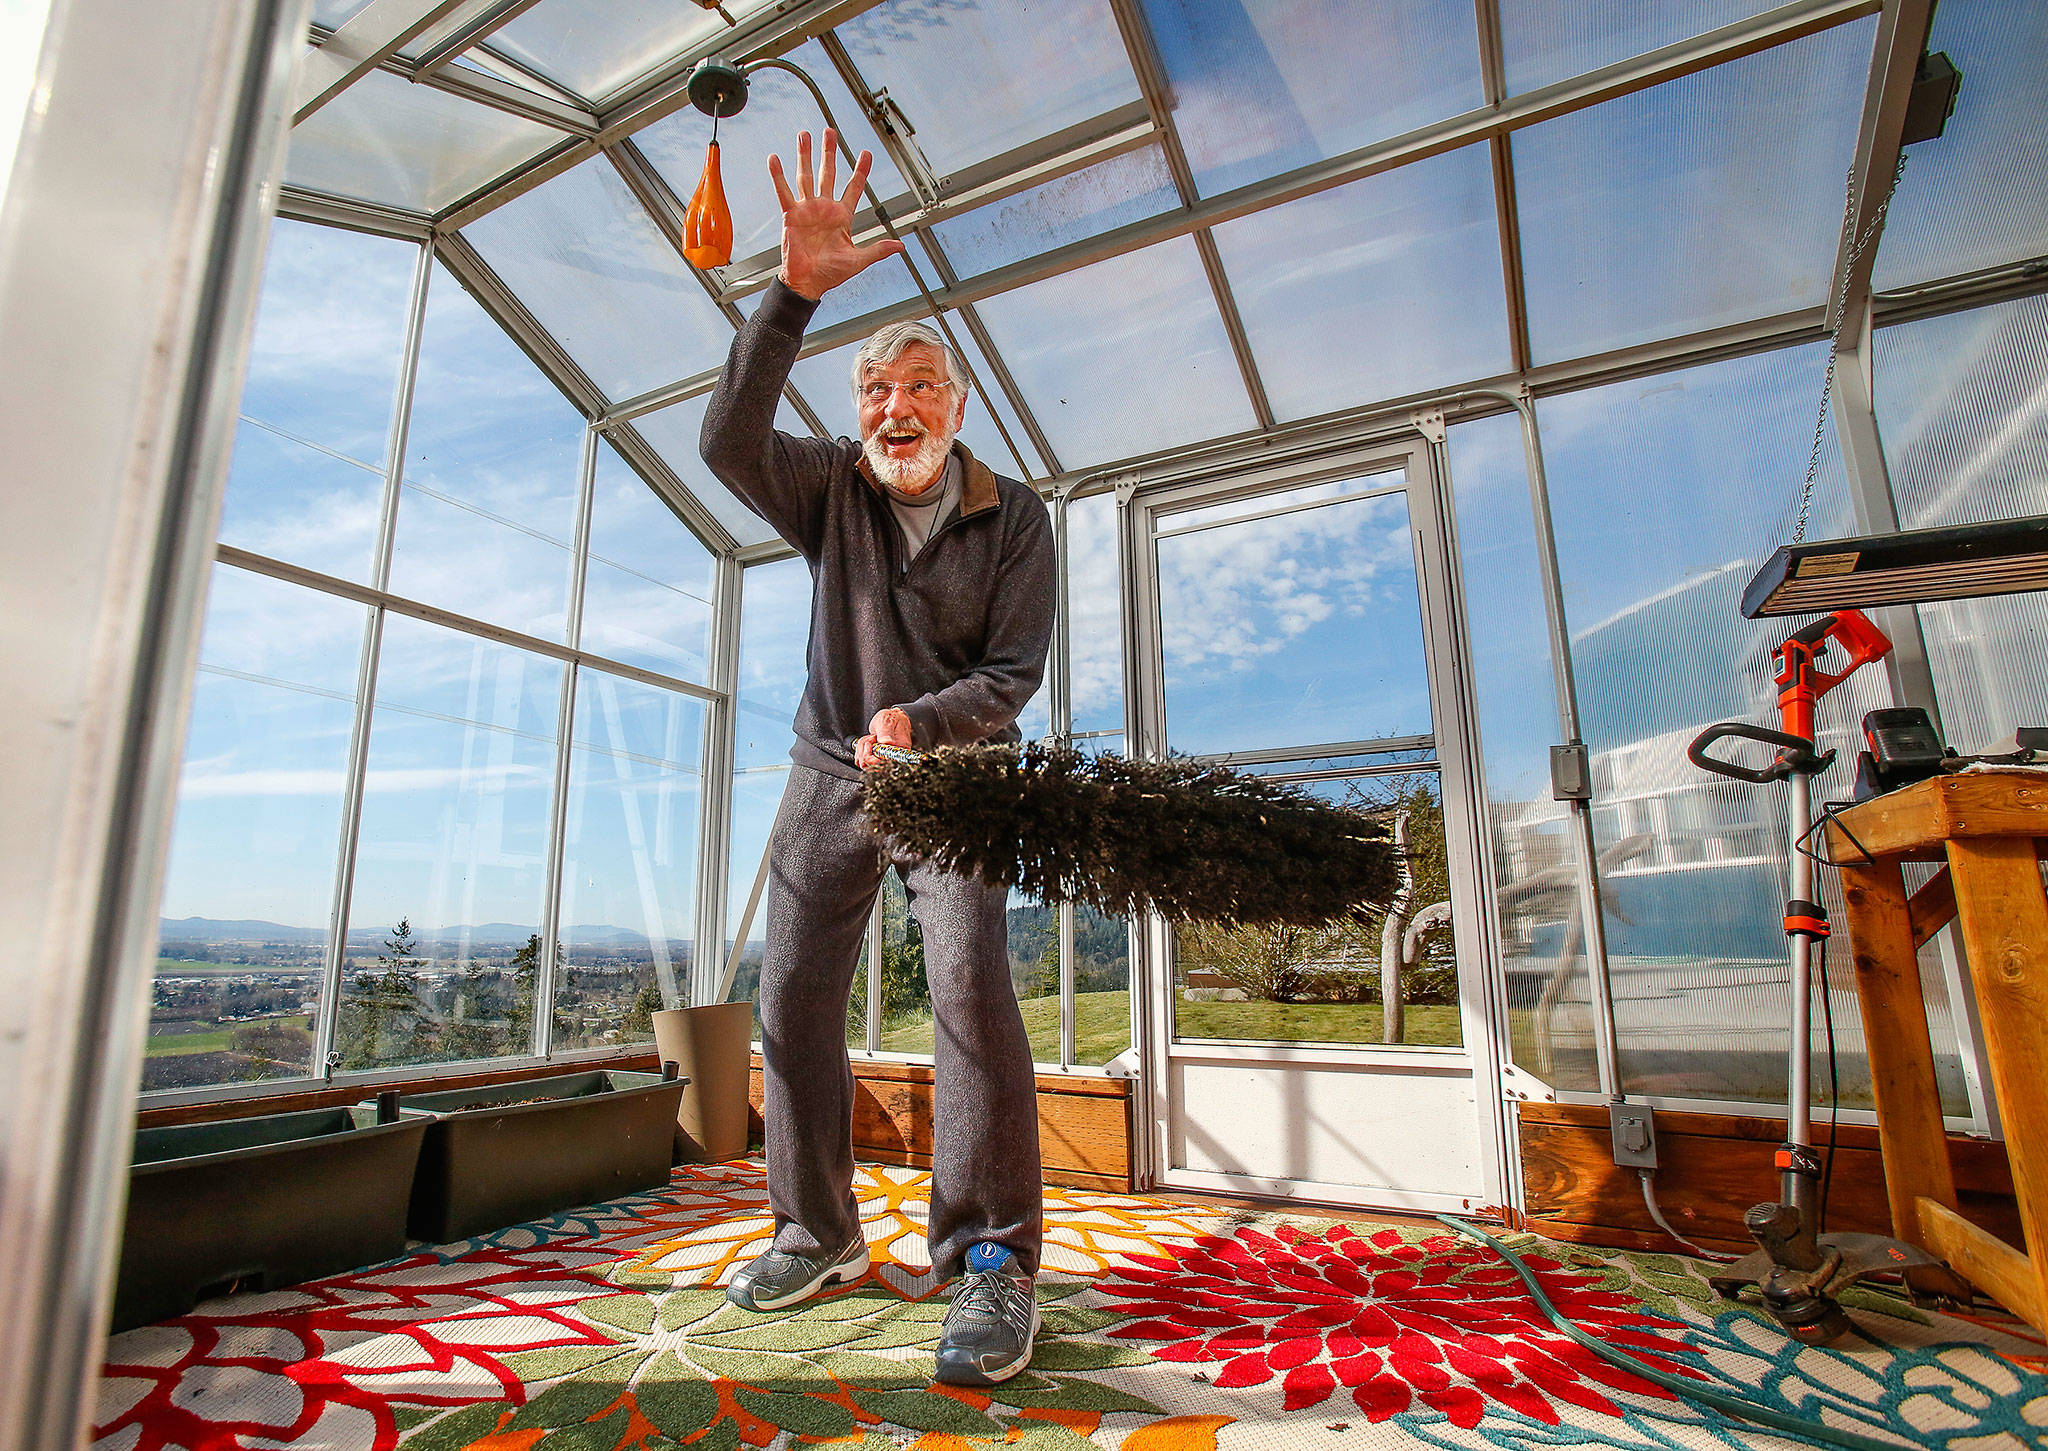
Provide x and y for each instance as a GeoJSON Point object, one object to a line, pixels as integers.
{"type": "Point", "coordinates": [597, 47]}
{"type": "Point", "coordinates": [979, 81]}
{"type": "Point", "coordinates": [1385, 287]}
{"type": "Point", "coordinates": [1708, 200]}
{"type": "Point", "coordinates": [1542, 41]}
{"type": "Point", "coordinates": [881, 285]}
{"type": "Point", "coordinates": [1261, 89]}
{"type": "Point", "coordinates": [336, 13]}
{"type": "Point", "coordinates": [778, 107]}
{"type": "Point", "coordinates": [979, 432]}
{"type": "Point", "coordinates": [673, 431]}
{"type": "Point", "coordinates": [1977, 196]}
{"type": "Point", "coordinates": [594, 269]}
{"type": "Point", "coordinates": [1122, 358]}
{"type": "Point", "coordinates": [387, 140]}
{"type": "Point", "coordinates": [1071, 208]}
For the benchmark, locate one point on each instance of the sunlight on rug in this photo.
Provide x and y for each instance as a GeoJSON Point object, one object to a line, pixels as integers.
{"type": "Point", "coordinates": [1169, 1326]}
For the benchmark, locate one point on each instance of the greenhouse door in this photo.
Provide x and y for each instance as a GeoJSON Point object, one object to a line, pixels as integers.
{"type": "Point", "coordinates": [1301, 625]}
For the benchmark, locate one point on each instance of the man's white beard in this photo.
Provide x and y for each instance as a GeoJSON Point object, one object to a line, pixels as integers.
{"type": "Point", "coordinates": [922, 467]}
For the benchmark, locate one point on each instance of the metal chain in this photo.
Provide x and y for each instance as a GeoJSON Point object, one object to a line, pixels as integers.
{"type": "Point", "coordinates": [1827, 386]}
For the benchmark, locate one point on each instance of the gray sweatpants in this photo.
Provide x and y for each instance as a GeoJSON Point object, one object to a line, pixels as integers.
{"type": "Point", "coordinates": [825, 866]}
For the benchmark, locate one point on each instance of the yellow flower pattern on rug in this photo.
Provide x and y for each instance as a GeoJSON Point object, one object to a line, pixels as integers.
{"type": "Point", "coordinates": [1084, 1232]}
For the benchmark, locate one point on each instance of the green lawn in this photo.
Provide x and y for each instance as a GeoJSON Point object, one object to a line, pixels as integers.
{"type": "Point", "coordinates": [1102, 1029]}
{"type": "Point", "coordinates": [166, 1045]}
{"type": "Point", "coordinates": [1425, 1026]}
{"type": "Point", "coordinates": [1102, 1026]}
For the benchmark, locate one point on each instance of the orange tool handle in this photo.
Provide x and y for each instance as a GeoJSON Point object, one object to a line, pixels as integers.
{"type": "Point", "coordinates": [1801, 683]}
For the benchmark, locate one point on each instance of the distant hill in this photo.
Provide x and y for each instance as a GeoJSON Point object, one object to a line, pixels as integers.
{"type": "Point", "coordinates": [213, 929]}
{"type": "Point", "coordinates": [218, 930]}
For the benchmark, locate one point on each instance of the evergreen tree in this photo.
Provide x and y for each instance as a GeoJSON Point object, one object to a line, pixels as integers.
{"type": "Point", "coordinates": [383, 1020]}
{"type": "Point", "coordinates": [526, 990]}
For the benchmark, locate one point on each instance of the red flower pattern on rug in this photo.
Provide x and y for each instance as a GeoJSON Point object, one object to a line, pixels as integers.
{"type": "Point", "coordinates": [437, 1333]}
{"type": "Point", "coordinates": [1390, 1320]}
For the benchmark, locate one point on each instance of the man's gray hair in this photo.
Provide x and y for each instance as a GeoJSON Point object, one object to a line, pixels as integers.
{"type": "Point", "coordinates": [886, 345]}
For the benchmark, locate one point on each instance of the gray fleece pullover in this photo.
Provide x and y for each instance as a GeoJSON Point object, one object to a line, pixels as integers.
{"type": "Point", "coordinates": [957, 639]}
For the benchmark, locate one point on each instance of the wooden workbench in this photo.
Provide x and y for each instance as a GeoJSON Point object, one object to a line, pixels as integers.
{"type": "Point", "coordinates": [1989, 831]}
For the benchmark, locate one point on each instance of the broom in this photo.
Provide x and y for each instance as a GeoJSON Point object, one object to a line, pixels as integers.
{"type": "Point", "coordinates": [1196, 842]}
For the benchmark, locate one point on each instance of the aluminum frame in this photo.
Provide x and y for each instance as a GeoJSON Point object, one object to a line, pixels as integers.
{"type": "Point", "coordinates": [153, 135]}
{"type": "Point", "coordinates": [1408, 445]}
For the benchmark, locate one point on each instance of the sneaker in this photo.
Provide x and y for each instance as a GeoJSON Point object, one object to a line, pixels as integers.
{"type": "Point", "coordinates": [785, 1277]}
{"type": "Point", "coordinates": [988, 1332]}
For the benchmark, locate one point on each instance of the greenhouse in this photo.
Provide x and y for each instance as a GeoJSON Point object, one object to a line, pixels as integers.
{"type": "Point", "coordinates": [1413, 391]}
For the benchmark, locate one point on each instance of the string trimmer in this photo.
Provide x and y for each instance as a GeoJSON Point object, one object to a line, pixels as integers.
{"type": "Point", "coordinates": [1797, 1270]}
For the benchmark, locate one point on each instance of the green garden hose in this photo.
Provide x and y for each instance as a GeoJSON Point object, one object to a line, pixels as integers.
{"type": "Point", "coordinates": [1728, 1405]}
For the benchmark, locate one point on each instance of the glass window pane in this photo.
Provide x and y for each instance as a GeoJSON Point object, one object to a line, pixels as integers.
{"type": "Point", "coordinates": [1102, 987]}
{"type": "Point", "coordinates": [1542, 941]}
{"type": "Point", "coordinates": [595, 47]}
{"type": "Point", "coordinates": [775, 631]}
{"type": "Point", "coordinates": [674, 431]}
{"type": "Point", "coordinates": [1708, 200]}
{"type": "Point", "coordinates": [1302, 628]}
{"type": "Point", "coordinates": [1057, 213]}
{"type": "Point", "coordinates": [1978, 196]}
{"type": "Point", "coordinates": [1034, 948]}
{"type": "Point", "coordinates": [1963, 408]}
{"type": "Point", "coordinates": [307, 483]}
{"type": "Point", "coordinates": [249, 885]}
{"type": "Point", "coordinates": [1259, 89]}
{"type": "Point", "coordinates": [978, 81]}
{"type": "Point", "coordinates": [1147, 366]}
{"type": "Point", "coordinates": [1662, 498]}
{"type": "Point", "coordinates": [629, 863]}
{"type": "Point", "coordinates": [906, 995]}
{"type": "Point", "coordinates": [488, 510]}
{"type": "Point", "coordinates": [1543, 42]}
{"type": "Point", "coordinates": [647, 592]}
{"type": "Point", "coordinates": [451, 860]}
{"type": "Point", "coordinates": [1095, 641]}
{"type": "Point", "coordinates": [1410, 258]}
{"type": "Point", "coordinates": [387, 140]}
{"type": "Point", "coordinates": [1329, 984]}
{"type": "Point", "coordinates": [589, 263]}
{"type": "Point", "coordinates": [778, 107]}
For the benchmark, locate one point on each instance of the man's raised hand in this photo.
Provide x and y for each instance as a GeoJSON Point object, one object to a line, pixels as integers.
{"type": "Point", "coordinates": [817, 227]}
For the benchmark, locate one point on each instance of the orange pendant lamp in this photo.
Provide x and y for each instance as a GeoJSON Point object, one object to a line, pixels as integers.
{"type": "Point", "coordinates": [707, 223]}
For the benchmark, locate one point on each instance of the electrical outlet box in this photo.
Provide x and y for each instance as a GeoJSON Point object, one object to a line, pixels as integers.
{"type": "Point", "coordinates": [1571, 773]}
{"type": "Point", "coordinates": [1635, 1135]}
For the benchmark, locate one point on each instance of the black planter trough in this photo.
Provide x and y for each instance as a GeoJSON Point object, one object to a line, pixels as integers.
{"type": "Point", "coordinates": [524, 1150]}
{"type": "Point", "coordinates": [260, 1203]}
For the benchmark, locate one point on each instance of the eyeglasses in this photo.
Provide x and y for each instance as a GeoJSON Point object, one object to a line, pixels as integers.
{"type": "Point", "coordinates": [919, 389]}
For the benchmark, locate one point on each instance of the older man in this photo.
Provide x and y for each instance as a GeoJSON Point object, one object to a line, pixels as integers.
{"type": "Point", "coordinates": [931, 609]}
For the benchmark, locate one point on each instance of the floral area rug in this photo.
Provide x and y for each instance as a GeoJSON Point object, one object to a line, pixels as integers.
{"type": "Point", "coordinates": [1168, 1326]}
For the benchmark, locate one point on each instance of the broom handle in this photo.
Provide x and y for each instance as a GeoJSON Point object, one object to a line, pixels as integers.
{"type": "Point", "coordinates": [739, 938]}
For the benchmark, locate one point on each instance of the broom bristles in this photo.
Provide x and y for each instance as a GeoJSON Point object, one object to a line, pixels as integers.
{"type": "Point", "coordinates": [1196, 842]}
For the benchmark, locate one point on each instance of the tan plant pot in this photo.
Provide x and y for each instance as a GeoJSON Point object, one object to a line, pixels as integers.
{"type": "Point", "coordinates": [711, 1045]}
